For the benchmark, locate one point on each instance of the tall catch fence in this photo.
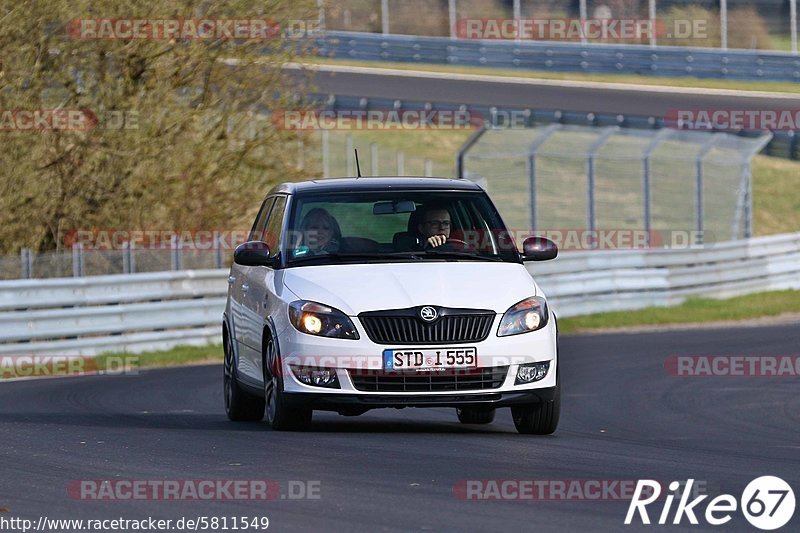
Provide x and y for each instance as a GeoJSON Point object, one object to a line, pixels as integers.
{"type": "Point", "coordinates": [564, 177]}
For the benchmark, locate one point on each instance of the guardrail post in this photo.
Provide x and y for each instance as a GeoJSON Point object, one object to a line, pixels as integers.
{"type": "Point", "coordinates": [77, 260]}
{"type": "Point", "coordinates": [26, 263]}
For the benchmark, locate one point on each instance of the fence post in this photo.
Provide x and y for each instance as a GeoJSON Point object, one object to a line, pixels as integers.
{"type": "Point", "coordinates": [326, 154]}
{"type": "Point", "coordinates": [517, 17]}
{"type": "Point", "coordinates": [652, 23]}
{"type": "Point", "coordinates": [77, 260]}
{"type": "Point", "coordinates": [373, 158]}
{"type": "Point", "coordinates": [126, 257]}
{"type": "Point", "coordinates": [451, 14]}
{"type": "Point", "coordinates": [385, 17]}
{"type": "Point", "coordinates": [301, 154]}
{"type": "Point", "coordinates": [462, 151]}
{"type": "Point", "coordinates": [793, 23]}
{"type": "Point", "coordinates": [218, 256]}
{"type": "Point", "coordinates": [583, 16]}
{"type": "Point", "coordinates": [590, 185]}
{"type": "Point", "coordinates": [321, 11]}
{"type": "Point", "coordinates": [175, 250]}
{"type": "Point", "coordinates": [401, 163]}
{"type": "Point", "coordinates": [548, 131]}
{"type": "Point", "coordinates": [723, 22]}
{"type": "Point", "coordinates": [26, 261]}
{"type": "Point", "coordinates": [428, 168]}
{"type": "Point", "coordinates": [349, 155]}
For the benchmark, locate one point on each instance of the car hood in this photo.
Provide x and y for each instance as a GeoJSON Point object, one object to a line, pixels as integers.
{"type": "Point", "coordinates": [369, 287]}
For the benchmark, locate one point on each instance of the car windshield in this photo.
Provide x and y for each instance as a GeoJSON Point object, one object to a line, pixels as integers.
{"type": "Point", "coordinates": [363, 227]}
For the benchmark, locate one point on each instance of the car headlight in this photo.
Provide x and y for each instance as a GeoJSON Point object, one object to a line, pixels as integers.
{"type": "Point", "coordinates": [317, 319]}
{"type": "Point", "coordinates": [528, 315]}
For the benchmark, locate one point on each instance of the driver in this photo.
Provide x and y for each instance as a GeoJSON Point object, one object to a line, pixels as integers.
{"type": "Point", "coordinates": [435, 225]}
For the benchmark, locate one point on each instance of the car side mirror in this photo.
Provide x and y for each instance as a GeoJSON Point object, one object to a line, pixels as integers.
{"type": "Point", "coordinates": [253, 253]}
{"type": "Point", "coordinates": [538, 249]}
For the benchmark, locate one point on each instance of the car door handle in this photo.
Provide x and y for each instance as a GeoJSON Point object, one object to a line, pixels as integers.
{"type": "Point", "coordinates": [231, 279]}
{"type": "Point", "coordinates": [245, 286]}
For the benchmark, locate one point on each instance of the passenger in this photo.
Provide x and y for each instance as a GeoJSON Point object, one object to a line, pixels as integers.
{"type": "Point", "coordinates": [320, 232]}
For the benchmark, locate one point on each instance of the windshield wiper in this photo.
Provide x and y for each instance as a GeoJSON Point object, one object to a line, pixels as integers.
{"type": "Point", "coordinates": [461, 255]}
{"type": "Point", "coordinates": [338, 256]}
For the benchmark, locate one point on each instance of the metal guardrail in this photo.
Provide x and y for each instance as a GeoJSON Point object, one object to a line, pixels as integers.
{"type": "Point", "coordinates": [783, 144]}
{"type": "Point", "coordinates": [564, 57]}
{"type": "Point", "coordinates": [579, 283]}
{"type": "Point", "coordinates": [139, 312]}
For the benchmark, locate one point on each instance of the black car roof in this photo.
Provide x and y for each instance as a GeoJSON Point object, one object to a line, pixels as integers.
{"type": "Point", "coordinates": [373, 183]}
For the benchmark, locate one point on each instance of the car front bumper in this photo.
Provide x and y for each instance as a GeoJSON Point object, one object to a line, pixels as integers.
{"type": "Point", "coordinates": [358, 403]}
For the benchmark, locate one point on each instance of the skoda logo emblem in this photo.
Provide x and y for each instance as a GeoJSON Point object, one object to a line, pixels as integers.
{"type": "Point", "coordinates": [428, 314]}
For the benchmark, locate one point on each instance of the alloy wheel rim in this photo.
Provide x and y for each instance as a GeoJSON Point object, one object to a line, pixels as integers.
{"type": "Point", "coordinates": [228, 372]}
{"type": "Point", "coordinates": [270, 385]}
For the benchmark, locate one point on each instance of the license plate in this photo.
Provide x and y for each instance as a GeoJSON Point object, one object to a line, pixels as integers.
{"type": "Point", "coordinates": [430, 358]}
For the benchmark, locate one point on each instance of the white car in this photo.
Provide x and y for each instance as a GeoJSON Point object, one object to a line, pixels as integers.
{"type": "Point", "coordinates": [359, 293]}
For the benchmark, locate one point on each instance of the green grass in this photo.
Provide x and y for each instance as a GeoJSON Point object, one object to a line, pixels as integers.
{"type": "Point", "coordinates": [776, 195]}
{"type": "Point", "coordinates": [694, 310]}
{"type": "Point", "coordinates": [738, 85]}
{"type": "Point", "coordinates": [180, 355]}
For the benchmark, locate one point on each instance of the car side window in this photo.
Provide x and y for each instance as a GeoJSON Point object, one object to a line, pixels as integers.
{"type": "Point", "coordinates": [261, 220]}
{"type": "Point", "coordinates": [272, 232]}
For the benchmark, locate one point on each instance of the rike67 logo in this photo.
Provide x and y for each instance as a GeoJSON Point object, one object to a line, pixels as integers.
{"type": "Point", "coordinates": [767, 503]}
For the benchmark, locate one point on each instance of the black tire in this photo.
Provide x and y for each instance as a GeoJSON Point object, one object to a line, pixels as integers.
{"type": "Point", "coordinates": [538, 418]}
{"type": "Point", "coordinates": [280, 416]}
{"type": "Point", "coordinates": [240, 405]}
{"type": "Point", "coordinates": [475, 415]}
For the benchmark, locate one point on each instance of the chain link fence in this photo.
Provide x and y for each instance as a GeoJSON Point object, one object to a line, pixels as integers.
{"type": "Point", "coordinates": [563, 177]}
{"type": "Point", "coordinates": [758, 25]}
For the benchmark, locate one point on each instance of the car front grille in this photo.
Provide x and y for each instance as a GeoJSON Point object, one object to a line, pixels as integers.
{"type": "Point", "coordinates": [428, 381]}
{"type": "Point", "coordinates": [403, 326]}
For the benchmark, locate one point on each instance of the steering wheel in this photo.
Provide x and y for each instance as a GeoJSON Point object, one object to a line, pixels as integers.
{"type": "Point", "coordinates": [463, 245]}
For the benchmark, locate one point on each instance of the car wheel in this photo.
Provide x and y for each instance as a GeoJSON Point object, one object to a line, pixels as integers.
{"type": "Point", "coordinates": [475, 415]}
{"type": "Point", "coordinates": [539, 418]}
{"type": "Point", "coordinates": [280, 416]}
{"type": "Point", "coordinates": [240, 406]}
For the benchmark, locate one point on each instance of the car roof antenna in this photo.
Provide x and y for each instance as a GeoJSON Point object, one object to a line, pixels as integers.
{"type": "Point", "coordinates": [358, 167]}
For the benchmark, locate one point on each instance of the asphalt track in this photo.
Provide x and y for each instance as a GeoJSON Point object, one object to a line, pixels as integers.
{"type": "Point", "coordinates": [545, 95]}
{"type": "Point", "coordinates": [623, 418]}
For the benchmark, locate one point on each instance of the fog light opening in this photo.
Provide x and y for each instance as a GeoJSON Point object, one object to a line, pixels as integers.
{"type": "Point", "coordinates": [532, 372]}
{"type": "Point", "coordinates": [317, 377]}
